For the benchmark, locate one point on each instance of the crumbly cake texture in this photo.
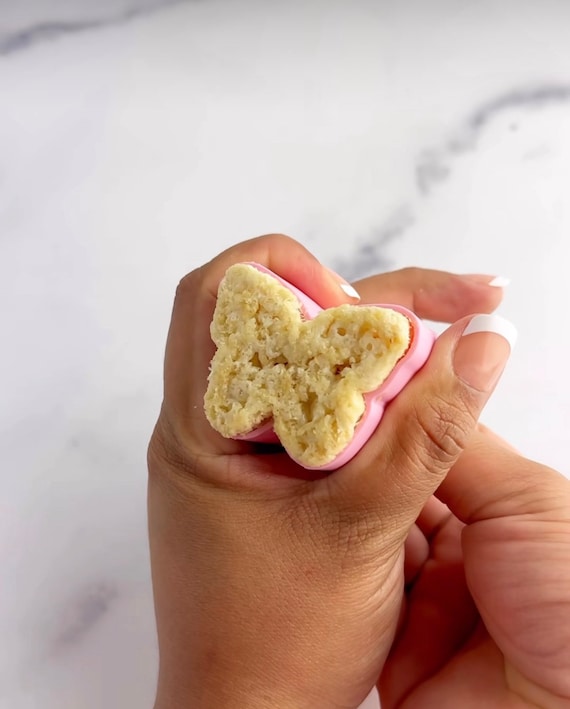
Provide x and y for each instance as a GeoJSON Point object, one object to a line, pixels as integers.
{"type": "Point", "coordinates": [307, 376]}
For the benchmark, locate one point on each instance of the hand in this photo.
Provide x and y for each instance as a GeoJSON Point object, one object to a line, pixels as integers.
{"type": "Point", "coordinates": [273, 589]}
{"type": "Point", "coordinates": [487, 619]}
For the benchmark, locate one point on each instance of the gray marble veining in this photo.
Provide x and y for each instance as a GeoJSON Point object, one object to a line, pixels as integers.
{"type": "Point", "coordinates": [370, 253]}
{"type": "Point", "coordinates": [48, 30]}
{"type": "Point", "coordinates": [85, 610]}
{"type": "Point", "coordinates": [434, 166]}
{"type": "Point", "coordinates": [435, 163]}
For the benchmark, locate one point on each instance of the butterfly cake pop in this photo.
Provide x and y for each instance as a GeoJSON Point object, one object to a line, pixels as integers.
{"type": "Point", "coordinates": [316, 381]}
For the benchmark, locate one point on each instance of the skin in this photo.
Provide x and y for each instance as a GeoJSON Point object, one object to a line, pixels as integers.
{"type": "Point", "coordinates": [487, 620]}
{"type": "Point", "coordinates": [436, 564]}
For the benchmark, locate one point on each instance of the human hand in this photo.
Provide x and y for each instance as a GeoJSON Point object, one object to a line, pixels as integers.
{"type": "Point", "coordinates": [273, 589]}
{"type": "Point", "coordinates": [487, 611]}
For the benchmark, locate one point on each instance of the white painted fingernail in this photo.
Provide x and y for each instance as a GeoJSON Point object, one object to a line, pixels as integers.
{"type": "Point", "coordinates": [350, 291]}
{"type": "Point", "coordinates": [483, 351]}
{"type": "Point", "coordinates": [499, 282]}
{"type": "Point", "coordinates": [492, 323]}
{"type": "Point", "coordinates": [346, 287]}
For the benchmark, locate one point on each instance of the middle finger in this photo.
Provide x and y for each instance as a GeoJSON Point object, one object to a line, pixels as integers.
{"type": "Point", "coordinates": [434, 295]}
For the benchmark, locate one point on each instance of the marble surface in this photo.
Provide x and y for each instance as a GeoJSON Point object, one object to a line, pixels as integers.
{"type": "Point", "coordinates": [137, 139]}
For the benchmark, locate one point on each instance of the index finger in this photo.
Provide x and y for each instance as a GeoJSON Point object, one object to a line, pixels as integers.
{"type": "Point", "coordinates": [435, 295]}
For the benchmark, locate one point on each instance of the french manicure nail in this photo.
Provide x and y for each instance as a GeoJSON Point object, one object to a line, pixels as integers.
{"type": "Point", "coordinates": [494, 281]}
{"type": "Point", "coordinates": [499, 282]}
{"type": "Point", "coordinates": [483, 351]}
{"type": "Point", "coordinates": [349, 290]}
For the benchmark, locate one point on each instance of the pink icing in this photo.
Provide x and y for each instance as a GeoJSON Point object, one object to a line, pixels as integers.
{"type": "Point", "coordinates": [420, 348]}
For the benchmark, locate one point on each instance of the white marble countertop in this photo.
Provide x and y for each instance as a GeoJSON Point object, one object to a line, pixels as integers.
{"type": "Point", "coordinates": [138, 139]}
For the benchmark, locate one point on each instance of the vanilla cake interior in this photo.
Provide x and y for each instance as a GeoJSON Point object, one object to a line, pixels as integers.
{"type": "Point", "coordinates": [307, 376]}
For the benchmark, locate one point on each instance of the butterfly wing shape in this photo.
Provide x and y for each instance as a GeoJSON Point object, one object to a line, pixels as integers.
{"type": "Point", "coordinates": [287, 371]}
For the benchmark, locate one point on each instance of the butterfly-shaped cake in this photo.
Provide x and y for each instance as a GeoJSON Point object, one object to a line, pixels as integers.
{"type": "Point", "coordinates": [314, 380]}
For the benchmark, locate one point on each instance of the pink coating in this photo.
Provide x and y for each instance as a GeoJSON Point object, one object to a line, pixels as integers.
{"type": "Point", "coordinates": [423, 339]}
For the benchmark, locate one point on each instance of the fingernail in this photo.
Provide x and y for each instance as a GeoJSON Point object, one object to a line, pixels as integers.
{"type": "Point", "coordinates": [483, 351]}
{"type": "Point", "coordinates": [499, 282]}
{"type": "Point", "coordinates": [349, 290]}
{"type": "Point", "coordinates": [494, 281]}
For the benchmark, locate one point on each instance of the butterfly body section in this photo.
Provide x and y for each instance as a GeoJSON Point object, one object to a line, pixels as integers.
{"type": "Point", "coordinates": [287, 370]}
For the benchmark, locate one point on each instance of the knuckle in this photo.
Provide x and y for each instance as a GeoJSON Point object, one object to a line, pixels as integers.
{"type": "Point", "coordinates": [270, 241]}
{"type": "Point", "coordinates": [188, 282]}
{"type": "Point", "coordinates": [443, 429]}
{"type": "Point", "coordinates": [411, 273]}
{"type": "Point", "coordinates": [277, 237]}
{"type": "Point", "coordinates": [169, 461]}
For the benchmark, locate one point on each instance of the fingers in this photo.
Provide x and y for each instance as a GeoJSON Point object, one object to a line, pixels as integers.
{"type": "Point", "coordinates": [440, 617]}
{"type": "Point", "coordinates": [432, 519]}
{"type": "Point", "coordinates": [517, 558]}
{"type": "Point", "coordinates": [290, 260]}
{"type": "Point", "coordinates": [425, 429]}
{"type": "Point", "coordinates": [491, 480]}
{"type": "Point", "coordinates": [416, 553]}
{"type": "Point", "coordinates": [434, 295]}
{"type": "Point", "coordinates": [189, 347]}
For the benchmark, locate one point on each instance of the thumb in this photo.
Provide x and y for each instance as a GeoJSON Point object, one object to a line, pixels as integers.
{"type": "Point", "coordinates": [425, 429]}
